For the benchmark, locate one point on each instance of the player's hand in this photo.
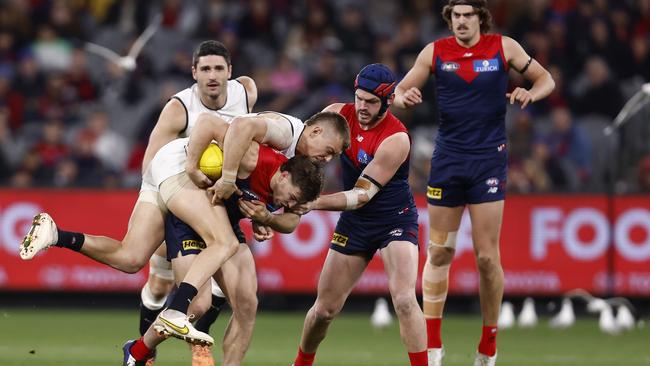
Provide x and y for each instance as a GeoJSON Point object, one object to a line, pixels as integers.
{"type": "Point", "coordinates": [520, 95]}
{"type": "Point", "coordinates": [412, 97]}
{"type": "Point", "coordinates": [255, 210]}
{"type": "Point", "coordinates": [303, 209]}
{"type": "Point", "coordinates": [222, 190]}
{"type": "Point", "coordinates": [262, 232]}
{"type": "Point", "coordinates": [198, 178]}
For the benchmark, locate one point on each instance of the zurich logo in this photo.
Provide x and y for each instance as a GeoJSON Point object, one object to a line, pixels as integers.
{"type": "Point", "coordinates": [486, 65]}
{"type": "Point", "coordinates": [363, 157]}
{"type": "Point", "coordinates": [450, 66]}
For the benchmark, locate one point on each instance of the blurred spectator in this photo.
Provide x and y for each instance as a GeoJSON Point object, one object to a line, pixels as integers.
{"type": "Point", "coordinates": [107, 145]}
{"type": "Point", "coordinates": [601, 94]}
{"type": "Point", "coordinates": [52, 52]}
{"type": "Point", "coordinates": [569, 151]}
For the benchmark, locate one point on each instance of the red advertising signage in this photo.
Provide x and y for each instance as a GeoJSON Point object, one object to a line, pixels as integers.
{"type": "Point", "coordinates": [549, 245]}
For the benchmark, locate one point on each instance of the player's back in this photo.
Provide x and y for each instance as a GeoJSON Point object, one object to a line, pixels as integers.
{"type": "Point", "coordinates": [471, 86]}
{"type": "Point", "coordinates": [395, 197]}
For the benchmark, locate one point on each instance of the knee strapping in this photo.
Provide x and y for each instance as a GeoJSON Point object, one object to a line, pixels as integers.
{"type": "Point", "coordinates": [435, 283]}
{"type": "Point", "coordinates": [160, 267]}
{"type": "Point", "coordinates": [148, 299]}
{"type": "Point", "coordinates": [445, 241]}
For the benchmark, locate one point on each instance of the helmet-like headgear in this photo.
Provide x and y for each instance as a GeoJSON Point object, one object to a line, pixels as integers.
{"type": "Point", "coordinates": [378, 80]}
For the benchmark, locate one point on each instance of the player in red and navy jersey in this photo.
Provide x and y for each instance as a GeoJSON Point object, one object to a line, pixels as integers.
{"type": "Point", "coordinates": [468, 167]}
{"type": "Point", "coordinates": [264, 175]}
{"type": "Point", "coordinates": [379, 214]}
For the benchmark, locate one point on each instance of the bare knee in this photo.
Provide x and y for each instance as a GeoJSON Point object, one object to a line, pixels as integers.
{"type": "Point", "coordinates": [488, 263]}
{"type": "Point", "coordinates": [159, 287]}
{"type": "Point", "coordinates": [404, 303]}
{"type": "Point", "coordinates": [440, 256]}
{"type": "Point", "coordinates": [132, 263]}
{"type": "Point", "coordinates": [325, 313]}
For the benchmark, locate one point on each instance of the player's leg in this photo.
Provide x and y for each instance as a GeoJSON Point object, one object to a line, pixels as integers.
{"type": "Point", "coordinates": [191, 205]}
{"type": "Point", "coordinates": [339, 275]}
{"type": "Point", "coordinates": [486, 228]}
{"type": "Point", "coordinates": [485, 199]}
{"type": "Point", "coordinates": [401, 263]}
{"type": "Point", "coordinates": [155, 292]}
{"type": "Point", "coordinates": [144, 235]}
{"type": "Point", "coordinates": [218, 301]}
{"type": "Point", "coordinates": [239, 280]}
{"type": "Point", "coordinates": [443, 226]}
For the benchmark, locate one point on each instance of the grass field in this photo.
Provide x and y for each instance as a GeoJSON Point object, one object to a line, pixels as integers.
{"type": "Point", "coordinates": [67, 338]}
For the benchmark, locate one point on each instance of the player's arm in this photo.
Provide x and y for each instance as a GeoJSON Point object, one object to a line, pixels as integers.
{"type": "Point", "coordinates": [251, 90]}
{"type": "Point", "coordinates": [520, 61]}
{"type": "Point", "coordinates": [407, 92]}
{"type": "Point", "coordinates": [392, 152]}
{"type": "Point", "coordinates": [255, 210]}
{"type": "Point", "coordinates": [171, 122]}
{"type": "Point", "coordinates": [267, 128]}
{"type": "Point", "coordinates": [208, 127]}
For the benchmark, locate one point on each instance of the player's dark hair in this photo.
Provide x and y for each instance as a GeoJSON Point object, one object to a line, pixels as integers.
{"type": "Point", "coordinates": [481, 8]}
{"type": "Point", "coordinates": [307, 175]}
{"type": "Point", "coordinates": [336, 121]}
{"type": "Point", "coordinates": [207, 48]}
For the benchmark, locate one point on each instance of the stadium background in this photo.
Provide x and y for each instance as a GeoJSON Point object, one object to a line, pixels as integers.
{"type": "Point", "coordinates": [73, 129]}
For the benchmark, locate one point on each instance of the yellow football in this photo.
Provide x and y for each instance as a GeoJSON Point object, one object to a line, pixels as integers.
{"type": "Point", "coordinates": [211, 161]}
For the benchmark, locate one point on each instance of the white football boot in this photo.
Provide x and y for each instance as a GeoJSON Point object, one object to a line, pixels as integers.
{"type": "Point", "coordinates": [485, 360]}
{"type": "Point", "coordinates": [176, 324]}
{"type": "Point", "coordinates": [41, 235]}
{"type": "Point", "coordinates": [435, 356]}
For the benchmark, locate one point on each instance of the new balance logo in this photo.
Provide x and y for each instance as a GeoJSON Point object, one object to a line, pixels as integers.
{"type": "Point", "coordinates": [468, 54]}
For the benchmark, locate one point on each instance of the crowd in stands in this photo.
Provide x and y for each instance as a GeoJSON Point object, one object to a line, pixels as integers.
{"type": "Point", "coordinates": [69, 118]}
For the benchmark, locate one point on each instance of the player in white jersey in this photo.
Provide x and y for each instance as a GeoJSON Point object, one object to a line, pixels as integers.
{"type": "Point", "coordinates": [212, 93]}
{"type": "Point", "coordinates": [322, 137]}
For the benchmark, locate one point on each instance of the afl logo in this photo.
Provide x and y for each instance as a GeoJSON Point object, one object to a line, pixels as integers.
{"type": "Point", "coordinates": [492, 182]}
{"type": "Point", "coordinates": [450, 66]}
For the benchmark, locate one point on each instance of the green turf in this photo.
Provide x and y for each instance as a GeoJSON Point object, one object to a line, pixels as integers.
{"type": "Point", "coordinates": [67, 338]}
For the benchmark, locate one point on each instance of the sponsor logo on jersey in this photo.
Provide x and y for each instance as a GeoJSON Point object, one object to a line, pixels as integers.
{"type": "Point", "coordinates": [449, 66]}
{"type": "Point", "coordinates": [193, 245]}
{"type": "Point", "coordinates": [396, 232]}
{"type": "Point", "coordinates": [493, 190]}
{"type": "Point", "coordinates": [492, 182]}
{"type": "Point", "coordinates": [486, 65]}
{"type": "Point", "coordinates": [434, 193]}
{"type": "Point", "coordinates": [340, 240]}
{"type": "Point", "coordinates": [363, 157]}
{"type": "Point", "coordinates": [359, 138]}
{"type": "Point", "coordinates": [468, 54]}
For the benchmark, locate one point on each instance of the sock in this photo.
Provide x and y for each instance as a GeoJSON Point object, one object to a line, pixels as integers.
{"type": "Point", "coordinates": [147, 316]}
{"type": "Point", "coordinates": [210, 316]}
{"type": "Point", "coordinates": [419, 358]}
{"type": "Point", "coordinates": [183, 297]}
{"type": "Point", "coordinates": [488, 344]}
{"type": "Point", "coordinates": [434, 339]}
{"type": "Point", "coordinates": [70, 240]}
{"type": "Point", "coordinates": [139, 350]}
{"type": "Point", "coordinates": [304, 359]}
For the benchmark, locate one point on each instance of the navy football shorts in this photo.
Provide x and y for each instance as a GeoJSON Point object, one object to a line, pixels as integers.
{"type": "Point", "coordinates": [457, 181]}
{"type": "Point", "coordinates": [356, 235]}
{"type": "Point", "coordinates": [182, 239]}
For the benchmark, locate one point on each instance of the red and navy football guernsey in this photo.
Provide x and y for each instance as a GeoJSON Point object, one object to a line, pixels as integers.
{"type": "Point", "coordinates": [395, 197]}
{"type": "Point", "coordinates": [471, 86]}
{"type": "Point", "coordinates": [180, 237]}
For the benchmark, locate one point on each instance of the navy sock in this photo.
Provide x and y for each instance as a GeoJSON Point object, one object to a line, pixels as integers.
{"type": "Point", "coordinates": [147, 317]}
{"type": "Point", "coordinates": [70, 240]}
{"type": "Point", "coordinates": [183, 297]}
{"type": "Point", "coordinates": [210, 316]}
